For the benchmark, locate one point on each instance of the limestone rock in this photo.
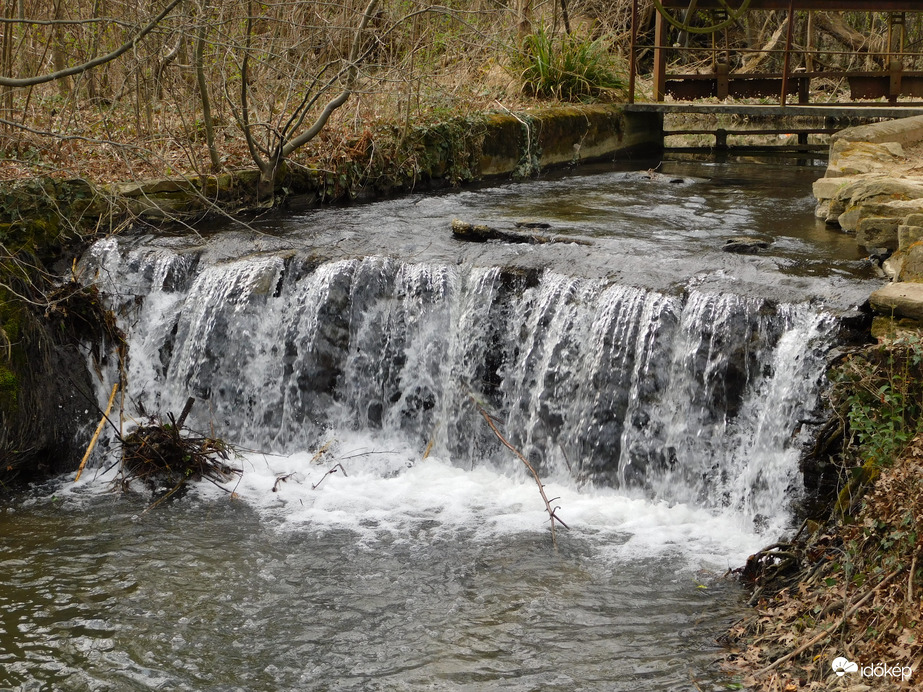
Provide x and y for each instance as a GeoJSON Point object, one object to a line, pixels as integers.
{"type": "Point", "coordinates": [908, 234]}
{"type": "Point", "coordinates": [828, 188]}
{"type": "Point", "coordinates": [860, 158]}
{"type": "Point", "coordinates": [912, 263]}
{"type": "Point", "coordinates": [822, 210]}
{"type": "Point", "coordinates": [877, 231]}
{"type": "Point", "coordinates": [892, 266]}
{"type": "Point", "coordinates": [900, 299]}
{"type": "Point", "coordinates": [906, 131]}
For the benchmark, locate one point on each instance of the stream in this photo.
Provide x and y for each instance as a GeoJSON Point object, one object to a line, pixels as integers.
{"type": "Point", "coordinates": [658, 384]}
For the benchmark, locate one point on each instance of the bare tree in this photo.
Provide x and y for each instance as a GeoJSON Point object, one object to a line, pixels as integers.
{"type": "Point", "coordinates": [95, 62]}
{"type": "Point", "coordinates": [282, 138]}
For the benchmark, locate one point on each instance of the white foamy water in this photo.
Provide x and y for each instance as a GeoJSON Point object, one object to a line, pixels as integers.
{"type": "Point", "coordinates": [380, 491]}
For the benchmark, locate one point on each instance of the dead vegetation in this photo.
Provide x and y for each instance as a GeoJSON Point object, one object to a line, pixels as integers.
{"type": "Point", "coordinates": [161, 454]}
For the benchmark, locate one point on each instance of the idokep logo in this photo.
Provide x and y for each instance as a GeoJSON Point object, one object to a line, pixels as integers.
{"type": "Point", "coordinates": [841, 666]}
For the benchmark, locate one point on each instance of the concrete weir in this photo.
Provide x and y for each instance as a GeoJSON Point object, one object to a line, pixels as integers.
{"type": "Point", "coordinates": [463, 150]}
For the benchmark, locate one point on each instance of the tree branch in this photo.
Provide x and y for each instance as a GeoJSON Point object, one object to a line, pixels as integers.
{"type": "Point", "coordinates": [96, 62]}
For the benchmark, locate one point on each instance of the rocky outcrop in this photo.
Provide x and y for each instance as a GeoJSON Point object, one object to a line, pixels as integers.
{"type": "Point", "coordinates": [874, 189]}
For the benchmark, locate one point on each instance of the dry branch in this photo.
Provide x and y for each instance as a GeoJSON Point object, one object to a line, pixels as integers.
{"type": "Point", "coordinates": [160, 452]}
{"type": "Point", "coordinates": [552, 516]}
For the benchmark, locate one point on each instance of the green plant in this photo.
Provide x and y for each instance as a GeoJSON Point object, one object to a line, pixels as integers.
{"type": "Point", "coordinates": [881, 393]}
{"type": "Point", "coordinates": [573, 68]}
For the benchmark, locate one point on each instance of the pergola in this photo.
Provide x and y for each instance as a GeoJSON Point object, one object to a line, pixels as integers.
{"type": "Point", "coordinates": [892, 82]}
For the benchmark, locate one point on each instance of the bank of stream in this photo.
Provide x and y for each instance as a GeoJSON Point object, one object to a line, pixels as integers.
{"type": "Point", "coordinates": [663, 387]}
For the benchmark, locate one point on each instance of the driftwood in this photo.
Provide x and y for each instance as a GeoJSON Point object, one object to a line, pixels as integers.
{"type": "Point", "coordinates": [478, 233]}
{"type": "Point", "coordinates": [161, 453]}
{"type": "Point", "coordinates": [99, 429]}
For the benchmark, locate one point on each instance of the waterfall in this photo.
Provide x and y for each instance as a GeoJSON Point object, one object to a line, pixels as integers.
{"type": "Point", "coordinates": [688, 396]}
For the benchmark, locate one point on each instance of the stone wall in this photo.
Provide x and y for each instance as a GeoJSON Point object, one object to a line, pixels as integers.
{"type": "Point", "coordinates": [456, 152]}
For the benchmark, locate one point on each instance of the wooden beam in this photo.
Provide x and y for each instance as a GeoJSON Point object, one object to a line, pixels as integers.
{"type": "Point", "coordinates": [833, 5]}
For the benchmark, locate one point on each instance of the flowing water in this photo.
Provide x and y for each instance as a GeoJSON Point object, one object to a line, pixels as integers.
{"type": "Point", "coordinates": [658, 384]}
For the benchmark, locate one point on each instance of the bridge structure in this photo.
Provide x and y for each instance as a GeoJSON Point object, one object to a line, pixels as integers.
{"type": "Point", "coordinates": [883, 82]}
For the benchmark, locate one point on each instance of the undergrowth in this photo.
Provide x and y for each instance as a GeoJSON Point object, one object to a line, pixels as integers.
{"type": "Point", "coordinates": [571, 68]}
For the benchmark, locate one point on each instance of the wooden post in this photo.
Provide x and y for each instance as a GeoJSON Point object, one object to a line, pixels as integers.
{"type": "Point", "coordinates": [633, 62]}
{"type": "Point", "coordinates": [722, 79]}
{"type": "Point", "coordinates": [788, 51]}
{"type": "Point", "coordinates": [809, 43]}
{"type": "Point", "coordinates": [660, 57]}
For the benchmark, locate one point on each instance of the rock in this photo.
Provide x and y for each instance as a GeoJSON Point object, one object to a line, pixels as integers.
{"type": "Point", "coordinates": [902, 299]}
{"type": "Point", "coordinates": [891, 329]}
{"type": "Point", "coordinates": [877, 232]}
{"type": "Point", "coordinates": [879, 197]}
{"type": "Point", "coordinates": [745, 245]}
{"type": "Point", "coordinates": [860, 158]}
{"type": "Point", "coordinates": [892, 266]}
{"type": "Point", "coordinates": [908, 234]}
{"type": "Point", "coordinates": [912, 264]}
{"type": "Point", "coordinates": [906, 131]}
{"type": "Point", "coordinates": [473, 233]}
{"type": "Point", "coordinates": [531, 224]}
{"type": "Point", "coordinates": [822, 210]}
{"type": "Point", "coordinates": [828, 188]}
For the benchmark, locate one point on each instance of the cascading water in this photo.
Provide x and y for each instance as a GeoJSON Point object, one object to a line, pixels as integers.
{"type": "Point", "coordinates": [690, 397]}
{"type": "Point", "coordinates": [658, 384]}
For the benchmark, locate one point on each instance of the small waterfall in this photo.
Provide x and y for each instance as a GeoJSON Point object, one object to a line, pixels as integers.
{"type": "Point", "coordinates": [692, 396]}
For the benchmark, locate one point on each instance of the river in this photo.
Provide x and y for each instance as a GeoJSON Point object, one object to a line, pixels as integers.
{"type": "Point", "coordinates": [659, 385]}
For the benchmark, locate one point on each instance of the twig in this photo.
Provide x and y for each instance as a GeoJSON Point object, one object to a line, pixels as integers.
{"type": "Point", "coordinates": [826, 633]}
{"type": "Point", "coordinates": [538, 481]}
{"type": "Point", "coordinates": [99, 429]}
{"type": "Point", "coordinates": [282, 479]}
{"type": "Point", "coordinates": [315, 486]}
{"type": "Point", "coordinates": [913, 572]}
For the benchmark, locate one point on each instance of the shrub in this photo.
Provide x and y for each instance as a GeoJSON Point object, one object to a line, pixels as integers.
{"type": "Point", "coordinates": [570, 69]}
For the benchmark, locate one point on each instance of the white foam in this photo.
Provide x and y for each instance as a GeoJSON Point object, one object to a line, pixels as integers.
{"type": "Point", "coordinates": [389, 493]}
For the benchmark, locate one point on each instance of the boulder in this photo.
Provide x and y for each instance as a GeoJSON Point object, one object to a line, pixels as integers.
{"type": "Point", "coordinates": [894, 199]}
{"type": "Point", "coordinates": [745, 245]}
{"type": "Point", "coordinates": [906, 131]}
{"type": "Point", "coordinates": [862, 158]}
{"type": "Point", "coordinates": [912, 264]}
{"type": "Point", "coordinates": [822, 210]}
{"type": "Point", "coordinates": [908, 234]}
{"type": "Point", "coordinates": [877, 231]}
{"type": "Point", "coordinates": [892, 266]}
{"type": "Point", "coordinates": [828, 188]}
{"type": "Point", "coordinates": [899, 300]}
